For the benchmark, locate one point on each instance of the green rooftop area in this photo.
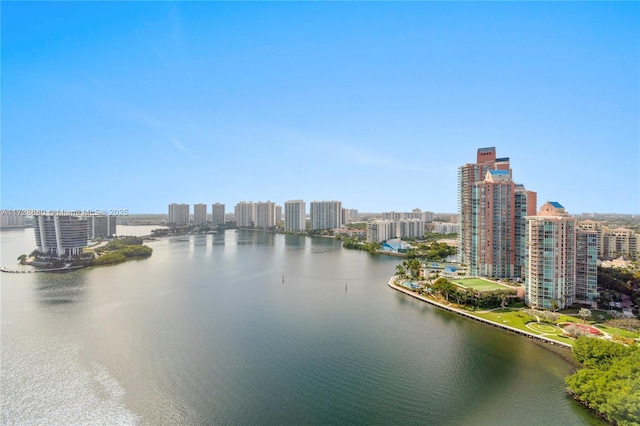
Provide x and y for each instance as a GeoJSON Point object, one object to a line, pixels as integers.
{"type": "Point", "coordinates": [479, 284]}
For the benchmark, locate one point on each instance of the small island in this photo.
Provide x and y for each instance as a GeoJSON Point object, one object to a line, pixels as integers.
{"type": "Point", "coordinates": [118, 250]}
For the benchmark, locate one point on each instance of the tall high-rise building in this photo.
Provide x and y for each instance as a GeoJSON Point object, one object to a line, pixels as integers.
{"type": "Point", "coordinates": [492, 209]}
{"type": "Point", "coordinates": [586, 266]}
{"type": "Point", "coordinates": [245, 213]}
{"type": "Point", "coordinates": [325, 214]}
{"type": "Point", "coordinates": [550, 267]}
{"type": "Point", "coordinates": [102, 226]}
{"type": "Point", "coordinates": [265, 214]}
{"type": "Point", "coordinates": [493, 241]}
{"type": "Point", "coordinates": [217, 214]}
{"type": "Point", "coordinates": [468, 175]}
{"type": "Point", "coordinates": [525, 205]}
{"type": "Point", "coordinates": [60, 235]}
{"type": "Point", "coordinates": [295, 215]}
{"type": "Point", "coordinates": [278, 214]}
{"type": "Point", "coordinates": [178, 214]}
{"type": "Point", "coordinates": [199, 214]}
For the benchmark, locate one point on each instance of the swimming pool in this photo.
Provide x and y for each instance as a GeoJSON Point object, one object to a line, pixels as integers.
{"type": "Point", "coordinates": [410, 285]}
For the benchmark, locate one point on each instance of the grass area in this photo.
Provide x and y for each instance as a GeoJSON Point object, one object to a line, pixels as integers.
{"type": "Point", "coordinates": [517, 319]}
{"type": "Point", "coordinates": [617, 331]}
{"type": "Point", "coordinates": [479, 284]}
{"type": "Point", "coordinates": [512, 318]}
{"type": "Point", "coordinates": [596, 314]}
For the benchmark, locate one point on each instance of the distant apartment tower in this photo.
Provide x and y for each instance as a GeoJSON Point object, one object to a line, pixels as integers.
{"type": "Point", "coordinates": [326, 214]}
{"type": "Point", "coordinates": [199, 214]}
{"type": "Point", "coordinates": [492, 210]}
{"type": "Point", "coordinates": [61, 235]}
{"type": "Point", "coordinates": [410, 228]}
{"type": "Point", "coordinates": [265, 214]}
{"type": "Point", "coordinates": [295, 215]}
{"type": "Point", "coordinates": [178, 214]}
{"type": "Point", "coordinates": [419, 214]}
{"type": "Point", "coordinates": [614, 242]}
{"type": "Point", "coordinates": [245, 213]}
{"type": "Point", "coordinates": [382, 230]}
{"type": "Point", "coordinates": [217, 214]}
{"type": "Point", "coordinates": [619, 242]}
{"type": "Point", "coordinates": [414, 214]}
{"type": "Point", "coordinates": [445, 228]}
{"type": "Point", "coordinates": [349, 216]}
{"type": "Point", "coordinates": [102, 226]}
{"type": "Point", "coordinates": [11, 221]}
{"type": "Point", "coordinates": [379, 231]}
{"type": "Point", "coordinates": [278, 214]}
{"type": "Point", "coordinates": [550, 268]}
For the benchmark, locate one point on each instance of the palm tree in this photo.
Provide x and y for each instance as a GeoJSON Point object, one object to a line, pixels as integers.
{"type": "Point", "coordinates": [401, 272]}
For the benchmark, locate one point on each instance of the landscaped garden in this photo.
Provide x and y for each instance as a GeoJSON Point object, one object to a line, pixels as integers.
{"type": "Point", "coordinates": [517, 318]}
{"type": "Point", "coordinates": [499, 304]}
{"type": "Point", "coordinates": [562, 327]}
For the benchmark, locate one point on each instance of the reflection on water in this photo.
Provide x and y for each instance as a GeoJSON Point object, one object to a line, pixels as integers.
{"type": "Point", "coordinates": [60, 288]}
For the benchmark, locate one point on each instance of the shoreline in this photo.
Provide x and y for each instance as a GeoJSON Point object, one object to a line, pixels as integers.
{"type": "Point", "coordinates": [408, 292]}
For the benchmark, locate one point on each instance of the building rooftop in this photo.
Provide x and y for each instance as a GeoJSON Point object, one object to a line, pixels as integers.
{"type": "Point", "coordinates": [552, 208]}
{"type": "Point", "coordinates": [488, 149]}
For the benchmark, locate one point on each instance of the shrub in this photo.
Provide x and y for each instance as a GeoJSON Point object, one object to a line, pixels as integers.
{"type": "Point", "coordinates": [109, 259]}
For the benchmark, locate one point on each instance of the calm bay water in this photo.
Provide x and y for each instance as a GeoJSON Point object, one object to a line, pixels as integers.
{"type": "Point", "coordinates": [206, 332]}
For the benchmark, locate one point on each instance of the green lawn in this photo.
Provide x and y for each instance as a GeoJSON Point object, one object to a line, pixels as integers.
{"type": "Point", "coordinates": [514, 317]}
{"type": "Point", "coordinates": [595, 313]}
{"type": "Point", "coordinates": [479, 284]}
{"type": "Point", "coordinates": [517, 319]}
{"type": "Point", "coordinates": [617, 331]}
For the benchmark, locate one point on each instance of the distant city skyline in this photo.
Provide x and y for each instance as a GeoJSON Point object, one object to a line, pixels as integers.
{"type": "Point", "coordinates": [139, 105]}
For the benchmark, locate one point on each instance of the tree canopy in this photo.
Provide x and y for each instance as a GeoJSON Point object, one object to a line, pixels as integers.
{"type": "Point", "coordinates": [610, 381]}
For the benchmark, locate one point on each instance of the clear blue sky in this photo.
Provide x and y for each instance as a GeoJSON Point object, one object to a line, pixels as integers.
{"type": "Point", "coordinates": [138, 105]}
